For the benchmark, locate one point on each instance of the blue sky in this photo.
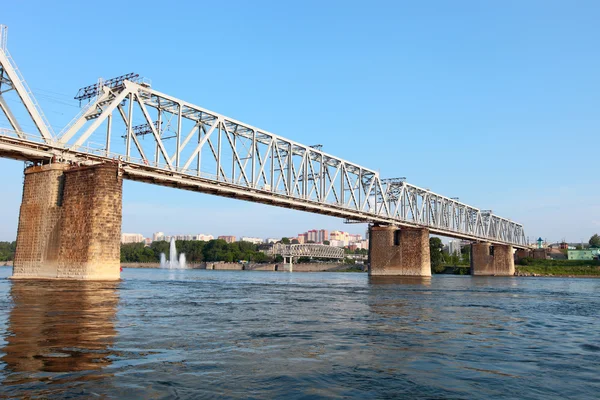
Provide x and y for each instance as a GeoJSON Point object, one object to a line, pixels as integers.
{"type": "Point", "coordinates": [493, 102]}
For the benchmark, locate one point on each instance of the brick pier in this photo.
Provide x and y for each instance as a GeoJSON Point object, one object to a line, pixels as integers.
{"type": "Point", "coordinates": [497, 260]}
{"type": "Point", "coordinates": [401, 252]}
{"type": "Point", "coordinates": [70, 223]}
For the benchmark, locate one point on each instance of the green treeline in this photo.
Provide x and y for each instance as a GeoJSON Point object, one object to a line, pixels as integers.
{"type": "Point", "coordinates": [440, 260]}
{"type": "Point", "coordinates": [558, 267]}
{"type": "Point", "coordinates": [196, 251]}
{"type": "Point", "coordinates": [214, 250]}
{"type": "Point", "coordinates": [7, 251]}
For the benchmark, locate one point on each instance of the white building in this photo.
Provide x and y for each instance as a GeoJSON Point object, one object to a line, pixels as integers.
{"type": "Point", "coordinates": [363, 244]}
{"type": "Point", "coordinates": [132, 238]}
{"type": "Point", "coordinates": [454, 247]}
{"type": "Point", "coordinates": [158, 236]}
{"type": "Point", "coordinates": [339, 236]}
{"type": "Point", "coordinates": [354, 238]}
{"type": "Point", "coordinates": [202, 237]}
{"type": "Point", "coordinates": [337, 243]}
{"type": "Point", "coordinates": [271, 240]}
{"type": "Point", "coordinates": [251, 240]}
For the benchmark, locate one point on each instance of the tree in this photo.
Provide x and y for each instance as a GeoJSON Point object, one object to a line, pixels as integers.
{"type": "Point", "coordinates": [435, 252]}
{"type": "Point", "coordinates": [7, 250]}
{"type": "Point", "coordinates": [285, 240]}
{"type": "Point", "coordinates": [595, 241]}
{"type": "Point", "coordinates": [465, 254]}
{"type": "Point", "coordinates": [326, 242]}
{"type": "Point", "coordinates": [137, 252]}
{"type": "Point", "coordinates": [195, 251]}
{"type": "Point", "coordinates": [295, 241]}
{"type": "Point", "coordinates": [259, 257]}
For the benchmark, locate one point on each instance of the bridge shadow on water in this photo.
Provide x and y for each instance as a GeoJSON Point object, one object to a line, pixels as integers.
{"type": "Point", "coordinates": [59, 332]}
{"type": "Point", "coordinates": [400, 280]}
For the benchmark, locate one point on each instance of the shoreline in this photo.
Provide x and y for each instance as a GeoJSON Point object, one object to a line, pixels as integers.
{"type": "Point", "coordinates": [325, 268]}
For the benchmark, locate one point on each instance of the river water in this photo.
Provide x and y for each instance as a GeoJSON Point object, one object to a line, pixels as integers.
{"type": "Point", "coordinates": [203, 334]}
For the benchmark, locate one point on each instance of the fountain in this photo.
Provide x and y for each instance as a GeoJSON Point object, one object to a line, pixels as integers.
{"type": "Point", "coordinates": [173, 262]}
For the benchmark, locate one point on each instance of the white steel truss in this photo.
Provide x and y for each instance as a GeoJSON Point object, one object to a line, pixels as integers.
{"type": "Point", "coordinates": [11, 79]}
{"type": "Point", "coordinates": [308, 250]}
{"type": "Point", "coordinates": [163, 140]}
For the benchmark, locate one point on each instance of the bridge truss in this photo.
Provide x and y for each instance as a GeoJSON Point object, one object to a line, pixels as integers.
{"type": "Point", "coordinates": [308, 250]}
{"type": "Point", "coordinates": [160, 139]}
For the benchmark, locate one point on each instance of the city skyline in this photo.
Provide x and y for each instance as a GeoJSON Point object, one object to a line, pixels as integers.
{"type": "Point", "coordinates": [325, 235]}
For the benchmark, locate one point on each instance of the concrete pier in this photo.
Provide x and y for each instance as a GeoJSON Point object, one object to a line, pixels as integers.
{"type": "Point", "coordinates": [399, 252]}
{"type": "Point", "coordinates": [69, 223]}
{"type": "Point", "coordinates": [497, 260]}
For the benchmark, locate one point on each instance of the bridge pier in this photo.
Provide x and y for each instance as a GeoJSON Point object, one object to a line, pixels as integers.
{"type": "Point", "coordinates": [69, 223]}
{"type": "Point", "coordinates": [401, 252]}
{"type": "Point", "coordinates": [497, 260]}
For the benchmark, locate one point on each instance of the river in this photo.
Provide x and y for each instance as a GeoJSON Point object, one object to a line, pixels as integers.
{"type": "Point", "coordinates": [220, 334]}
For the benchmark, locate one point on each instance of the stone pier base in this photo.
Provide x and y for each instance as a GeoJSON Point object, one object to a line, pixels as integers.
{"type": "Point", "coordinates": [497, 260]}
{"type": "Point", "coordinates": [69, 223]}
{"type": "Point", "coordinates": [399, 252]}
{"type": "Point", "coordinates": [522, 253]}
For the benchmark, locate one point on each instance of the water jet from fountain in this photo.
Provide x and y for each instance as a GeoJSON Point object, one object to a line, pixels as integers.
{"type": "Point", "coordinates": [173, 262]}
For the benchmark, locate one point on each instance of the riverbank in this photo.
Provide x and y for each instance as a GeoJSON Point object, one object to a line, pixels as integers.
{"type": "Point", "coordinates": [563, 268]}
{"type": "Point", "coordinates": [563, 272]}
{"type": "Point", "coordinates": [558, 268]}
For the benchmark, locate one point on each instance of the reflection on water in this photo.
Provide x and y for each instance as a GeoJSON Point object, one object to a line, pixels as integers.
{"type": "Point", "coordinates": [59, 327]}
{"type": "Point", "coordinates": [400, 280]}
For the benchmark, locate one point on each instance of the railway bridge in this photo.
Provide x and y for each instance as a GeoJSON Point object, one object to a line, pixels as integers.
{"type": "Point", "coordinates": [70, 217]}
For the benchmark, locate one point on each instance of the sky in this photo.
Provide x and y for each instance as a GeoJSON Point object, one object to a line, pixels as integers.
{"type": "Point", "coordinates": [496, 103]}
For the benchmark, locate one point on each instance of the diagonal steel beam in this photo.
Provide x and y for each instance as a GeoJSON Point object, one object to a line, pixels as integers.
{"type": "Point", "coordinates": [11, 118]}
{"type": "Point", "coordinates": [201, 143]}
{"type": "Point", "coordinates": [153, 129]}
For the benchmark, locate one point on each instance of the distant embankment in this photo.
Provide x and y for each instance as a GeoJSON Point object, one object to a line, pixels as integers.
{"type": "Point", "coordinates": [6, 263]}
{"type": "Point", "coordinates": [223, 266]}
{"type": "Point", "coordinates": [571, 272]}
{"type": "Point", "coordinates": [568, 268]}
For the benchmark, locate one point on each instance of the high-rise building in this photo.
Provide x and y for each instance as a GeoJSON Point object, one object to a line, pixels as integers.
{"type": "Point", "coordinates": [228, 239]}
{"type": "Point", "coordinates": [312, 236]}
{"type": "Point", "coordinates": [340, 236]}
{"type": "Point", "coordinates": [322, 235]}
{"type": "Point", "coordinates": [303, 237]}
{"type": "Point", "coordinates": [158, 236]}
{"type": "Point", "coordinates": [354, 238]}
{"type": "Point", "coordinates": [132, 238]}
{"type": "Point", "coordinates": [454, 247]}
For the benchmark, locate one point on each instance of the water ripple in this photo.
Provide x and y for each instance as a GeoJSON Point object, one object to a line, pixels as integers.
{"type": "Point", "coordinates": [217, 334]}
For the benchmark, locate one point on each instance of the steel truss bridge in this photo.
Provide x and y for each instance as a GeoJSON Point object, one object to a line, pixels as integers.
{"type": "Point", "coordinates": [308, 250]}
{"type": "Point", "coordinates": [160, 139]}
